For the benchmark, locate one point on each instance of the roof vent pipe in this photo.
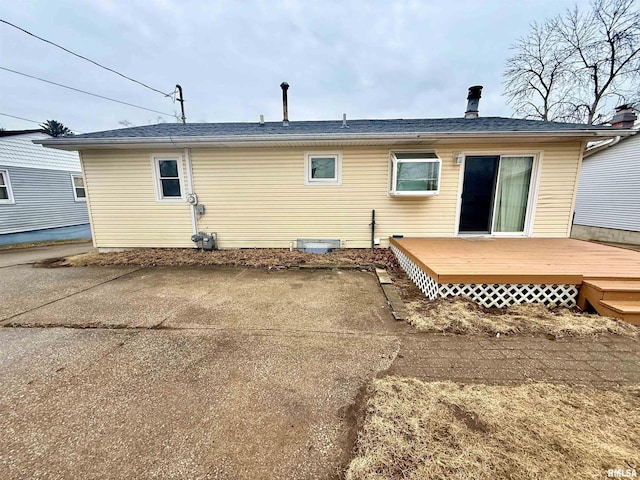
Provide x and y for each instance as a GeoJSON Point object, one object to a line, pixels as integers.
{"type": "Point", "coordinates": [344, 121]}
{"type": "Point", "coordinates": [625, 117]}
{"type": "Point", "coordinates": [473, 99]}
{"type": "Point", "coordinates": [285, 107]}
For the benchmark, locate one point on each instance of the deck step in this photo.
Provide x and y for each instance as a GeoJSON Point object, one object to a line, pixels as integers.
{"type": "Point", "coordinates": [612, 297]}
{"type": "Point", "coordinates": [614, 289]}
{"type": "Point", "coordinates": [627, 310]}
{"type": "Point", "coordinates": [622, 306]}
{"type": "Point", "coordinates": [614, 285]}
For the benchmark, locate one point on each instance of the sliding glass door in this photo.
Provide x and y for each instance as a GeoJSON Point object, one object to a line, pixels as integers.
{"type": "Point", "coordinates": [495, 194]}
{"type": "Point", "coordinates": [512, 194]}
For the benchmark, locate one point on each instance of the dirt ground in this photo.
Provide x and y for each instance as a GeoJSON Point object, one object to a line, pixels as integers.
{"type": "Point", "coordinates": [270, 258]}
{"type": "Point", "coordinates": [417, 430]}
{"type": "Point", "coordinates": [463, 316]}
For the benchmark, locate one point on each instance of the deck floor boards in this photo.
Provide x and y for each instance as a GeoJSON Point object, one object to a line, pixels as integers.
{"type": "Point", "coordinates": [519, 260]}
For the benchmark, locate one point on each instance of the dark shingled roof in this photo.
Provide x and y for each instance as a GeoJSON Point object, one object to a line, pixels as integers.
{"type": "Point", "coordinates": [11, 133]}
{"type": "Point", "coordinates": [370, 127]}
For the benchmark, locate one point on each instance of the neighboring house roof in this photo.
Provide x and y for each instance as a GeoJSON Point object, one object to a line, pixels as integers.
{"type": "Point", "coordinates": [18, 150]}
{"type": "Point", "coordinates": [11, 133]}
{"type": "Point", "coordinates": [334, 130]}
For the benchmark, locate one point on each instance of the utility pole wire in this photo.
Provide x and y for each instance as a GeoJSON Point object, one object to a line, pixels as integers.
{"type": "Point", "coordinates": [29, 120]}
{"type": "Point", "coordinates": [87, 93]}
{"type": "Point", "coordinates": [19, 118]}
{"type": "Point", "coordinates": [84, 58]}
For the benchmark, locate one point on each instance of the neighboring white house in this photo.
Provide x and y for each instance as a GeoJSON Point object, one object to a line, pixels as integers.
{"type": "Point", "coordinates": [42, 195]}
{"type": "Point", "coordinates": [608, 201]}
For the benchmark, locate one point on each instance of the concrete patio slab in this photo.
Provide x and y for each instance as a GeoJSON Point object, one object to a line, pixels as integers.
{"type": "Point", "coordinates": [317, 300]}
{"type": "Point", "coordinates": [180, 404]}
{"type": "Point", "coordinates": [220, 298]}
{"type": "Point", "coordinates": [23, 288]}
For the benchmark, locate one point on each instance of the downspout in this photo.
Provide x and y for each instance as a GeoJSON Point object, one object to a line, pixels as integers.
{"type": "Point", "coordinates": [598, 148]}
{"type": "Point", "coordinates": [194, 218]}
{"type": "Point", "coordinates": [575, 190]}
{"type": "Point", "coordinates": [86, 192]}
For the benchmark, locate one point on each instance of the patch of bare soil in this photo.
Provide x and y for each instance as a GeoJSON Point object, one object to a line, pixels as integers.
{"type": "Point", "coordinates": [463, 316]}
{"type": "Point", "coordinates": [417, 430]}
{"type": "Point", "coordinates": [250, 257]}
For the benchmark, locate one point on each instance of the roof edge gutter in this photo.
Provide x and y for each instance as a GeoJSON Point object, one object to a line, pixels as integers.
{"type": "Point", "coordinates": [253, 139]}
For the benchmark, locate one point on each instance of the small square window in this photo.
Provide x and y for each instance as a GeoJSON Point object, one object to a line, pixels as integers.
{"type": "Point", "coordinates": [6, 195]}
{"type": "Point", "coordinates": [323, 169]}
{"type": "Point", "coordinates": [168, 176]}
{"type": "Point", "coordinates": [415, 173]}
{"type": "Point", "coordinates": [79, 192]}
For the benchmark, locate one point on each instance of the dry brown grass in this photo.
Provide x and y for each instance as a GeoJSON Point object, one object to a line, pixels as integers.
{"type": "Point", "coordinates": [417, 430]}
{"type": "Point", "coordinates": [249, 257]}
{"type": "Point", "coordinates": [463, 316]}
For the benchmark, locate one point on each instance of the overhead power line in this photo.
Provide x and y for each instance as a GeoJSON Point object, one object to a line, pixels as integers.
{"type": "Point", "coordinates": [87, 93]}
{"type": "Point", "coordinates": [32, 121]}
{"type": "Point", "coordinates": [19, 118]}
{"type": "Point", "coordinates": [85, 58]}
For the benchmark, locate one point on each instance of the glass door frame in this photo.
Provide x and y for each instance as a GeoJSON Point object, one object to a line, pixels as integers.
{"type": "Point", "coordinates": [532, 198]}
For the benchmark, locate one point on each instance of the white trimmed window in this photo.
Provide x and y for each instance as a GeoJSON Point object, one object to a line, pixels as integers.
{"type": "Point", "coordinates": [323, 169]}
{"type": "Point", "coordinates": [6, 195]}
{"type": "Point", "coordinates": [415, 174]}
{"type": "Point", "coordinates": [167, 172]}
{"type": "Point", "coordinates": [79, 192]}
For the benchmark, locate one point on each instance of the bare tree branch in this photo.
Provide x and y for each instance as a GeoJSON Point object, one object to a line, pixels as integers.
{"type": "Point", "coordinates": [575, 66]}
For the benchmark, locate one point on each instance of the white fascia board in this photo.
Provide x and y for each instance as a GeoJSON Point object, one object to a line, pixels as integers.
{"type": "Point", "coordinates": [248, 140]}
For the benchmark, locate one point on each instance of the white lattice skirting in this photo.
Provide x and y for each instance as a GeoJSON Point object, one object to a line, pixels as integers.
{"type": "Point", "coordinates": [489, 295]}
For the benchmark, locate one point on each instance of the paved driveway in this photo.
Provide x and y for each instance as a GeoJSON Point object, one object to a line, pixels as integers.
{"type": "Point", "coordinates": [22, 256]}
{"type": "Point", "coordinates": [236, 374]}
{"type": "Point", "coordinates": [227, 373]}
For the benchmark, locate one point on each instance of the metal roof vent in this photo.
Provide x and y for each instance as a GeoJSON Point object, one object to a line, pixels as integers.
{"type": "Point", "coordinates": [473, 100]}
{"type": "Point", "coordinates": [285, 107]}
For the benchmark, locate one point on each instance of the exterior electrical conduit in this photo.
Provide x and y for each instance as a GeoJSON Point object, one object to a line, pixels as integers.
{"type": "Point", "coordinates": [194, 219]}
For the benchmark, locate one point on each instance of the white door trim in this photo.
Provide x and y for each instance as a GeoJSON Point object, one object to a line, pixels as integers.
{"type": "Point", "coordinates": [532, 200]}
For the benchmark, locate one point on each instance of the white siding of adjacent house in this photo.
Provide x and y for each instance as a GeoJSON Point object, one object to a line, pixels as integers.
{"type": "Point", "coordinates": [20, 151]}
{"type": "Point", "coordinates": [609, 188]}
{"type": "Point", "coordinates": [257, 197]}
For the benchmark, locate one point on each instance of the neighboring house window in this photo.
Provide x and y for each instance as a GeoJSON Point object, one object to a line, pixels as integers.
{"type": "Point", "coordinates": [6, 195]}
{"type": "Point", "coordinates": [168, 175]}
{"type": "Point", "coordinates": [415, 173]}
{"type": "Point", "coordinates": [323, 169]}
{"type": "Point", "coordinates": [79, 192]}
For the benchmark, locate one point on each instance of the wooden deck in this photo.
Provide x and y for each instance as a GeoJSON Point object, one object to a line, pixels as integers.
{"type": "Point", "coordinates": [519, 260]}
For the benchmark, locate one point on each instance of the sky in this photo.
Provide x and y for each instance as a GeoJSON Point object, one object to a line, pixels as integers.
{"type": "Point", "coordinates": [368, 59]}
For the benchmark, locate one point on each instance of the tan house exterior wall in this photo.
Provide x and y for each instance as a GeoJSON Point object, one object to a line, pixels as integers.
{"type": "Point", "coordinates": [257, 197]}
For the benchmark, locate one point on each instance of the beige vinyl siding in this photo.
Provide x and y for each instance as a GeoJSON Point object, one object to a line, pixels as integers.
{"type": "Point", "coordinates": [124, 210]}
{"type": "Point", "coordinates": [256, 197]}
{"type": "Point", "coordinates": [261, 200]}
{"type": "Point", "coordinates": [556, 192]}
